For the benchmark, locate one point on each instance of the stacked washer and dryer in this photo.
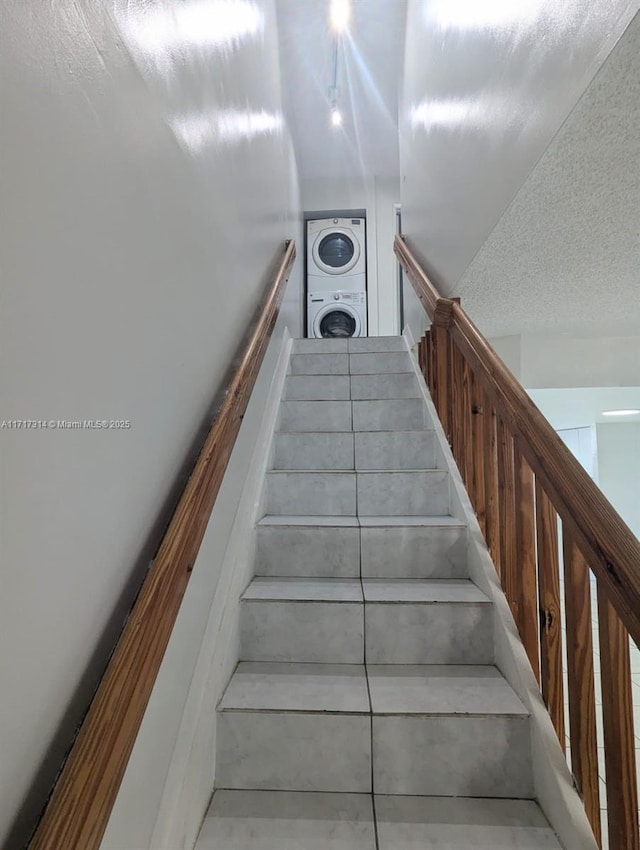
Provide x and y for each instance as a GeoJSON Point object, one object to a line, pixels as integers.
{"type": "Point", "coordinates": [336, 278]}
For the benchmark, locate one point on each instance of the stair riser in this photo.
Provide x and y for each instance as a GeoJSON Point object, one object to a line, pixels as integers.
{"type": "Point", "coordinates": [400, 386]}
{"type": "Point", "coordinates": [388, 415]}
{"type": "Point", "coordinates": [452, 756]}
{"type": "Point", "coordinates": [403, 493]}
{"type": "Point", "coordinates": [315, 416]}
{"type": "Point", "coordinates": [440, 633]}
{"type": "Point", "coordinates": [320, 364]}
{"type": "Point", "coordinates": [293, 752]}
{"type": "Point", "coordinates": [379, 364]}
{"type": "Point", "coordinates": [317, 388]}
{"type": "Point", "coordinates": [310, 494]}
{"type": "Point", "coordinates": [395, 450]}
{"type": "Point", "coordinates": [315, 632]}
{"type": "Point", "coordinates": [409, 552]}
{"type": "Point", "coordinates": [314, 451]}
{"type": "Point", "coordinates": [330, 552]}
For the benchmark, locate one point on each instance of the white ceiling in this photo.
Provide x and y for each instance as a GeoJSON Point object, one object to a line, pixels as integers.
{"type": "Point", "coordinates": [370, 67]}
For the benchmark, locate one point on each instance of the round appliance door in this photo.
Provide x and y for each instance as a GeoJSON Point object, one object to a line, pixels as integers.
{"type": "Point", "coordinates": [336, 250]}
{"type": "Point", "coordinates": [337, 321]}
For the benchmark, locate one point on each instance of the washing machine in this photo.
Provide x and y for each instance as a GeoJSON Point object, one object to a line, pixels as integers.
{"type": "Point", "coordinates": [336, 255]}
{"type": "Point", "coordinates": [336, 314]}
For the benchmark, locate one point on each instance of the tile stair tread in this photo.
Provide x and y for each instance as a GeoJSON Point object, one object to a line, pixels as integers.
{"type": "Point", "coordinates": [461, 823]}
{"type": "Point", "coordinates": [364, 522]}
{"type": "Point", "coordinates": [269, 686]}
{"type": "Point", "coordinates": [292, 589]}
{"type": "Point", "coordinates": [397, 690]}
{"type": "Point", "coordinates": [422, 591]}
{"type": "Point", "coordinates": [283, 820]}
{"type": "Point", "coordinates": [259, 820]}
{"type": "Point", "coordinates": [442, 689]}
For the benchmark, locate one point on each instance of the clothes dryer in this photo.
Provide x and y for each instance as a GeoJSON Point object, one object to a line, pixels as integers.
{"type": "Point", "coordinates": [336, 255]}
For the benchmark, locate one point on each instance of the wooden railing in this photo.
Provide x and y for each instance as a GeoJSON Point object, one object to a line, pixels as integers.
{"type": "Point", "coordinates": [521, 477]}
{"type": "Point", "coordinates": [79, 809]}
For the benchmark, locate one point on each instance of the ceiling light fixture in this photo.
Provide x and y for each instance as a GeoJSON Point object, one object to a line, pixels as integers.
{"type": "Point", "coordinates": [629, 412]}
{"type": "Point", "coordinates": [336, 117]}
{"type": "Point", "coordinates": [340, 15]}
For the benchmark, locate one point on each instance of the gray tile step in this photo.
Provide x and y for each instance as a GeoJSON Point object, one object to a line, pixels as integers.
{"type": "Point", "coordinates": [377, 344]}
{"type": "Point", "coordinates": [315, 416]}
{"type": "Point", "coordinates": [400, 385]}
{"type": "Point", "coordinates": [319, 364]}
{"type": "Point", "coordinates": [376, 547]}
{"type": "Point", "coordinates": [380, 363]}
{"type": "Point", "coordinates": [422, 823]}
{"type": "Point", "coordinates": [317, 388]}
{"type": "Point", "coordinates": [427, 622]}
{"type": "Point", "coordinates": [276, 820]}
{"type": "Point", "coordinates": [378, 450]}
{"type": "Point", "coordinates": [390, 415]}
{"type": "Point", "coordinates": [315, 493]}
{"type": "Point", "coordinates": [302, 620]}
{"type": "Point", "coordinates": [320, 346]}
{"type": "Point", "coordinates": [448, 731]}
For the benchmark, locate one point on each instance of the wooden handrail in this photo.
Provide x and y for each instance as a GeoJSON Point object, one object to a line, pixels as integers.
{"type": "Point", "coordinates": [78, 811]}
{"type": "Point", "coordinates": [521, 477]}
{"type": "Point", "coordinates": [610, 547]}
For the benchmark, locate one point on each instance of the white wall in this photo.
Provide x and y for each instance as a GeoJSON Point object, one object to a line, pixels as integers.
{"type": "Point", "coordinates": [481, 103]}
{"type": "Point", "coordinates": [619, 469]}
{"type": "Point", "coordinates": [148, 183]}
{"type": "Point", "coordinates": [377, 195]}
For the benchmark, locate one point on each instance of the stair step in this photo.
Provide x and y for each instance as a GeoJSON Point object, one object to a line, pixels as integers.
{"type": "Point", "coordinates": [344, 450]}
{"type": "Point", "coordinates": [400, 385]}
{"type": "Point", "coordinates": [302, 620]}
{"type": "Point", "coordinates": [448, 731]}
{"type": "Point", "coordinates": [316, 547]}
{"type": "Point", "coordinates": [305, 493]}
{"type": "Point", "coordinates": [422, 823]}
{"type": "Point", "coordinates": [315, 416]}
{"type": "Point", "coordinates": [388, 415]}
{"type": "Point", "coordinates": [380, 363]}
{"type": "Point", "coordinates": [427, 622]}
{"type": "Point", "coordinates": [317, 388]}
{"type": "Point", "coordinates": [413, 547]}
{"type": "Point", "coordinates": [406, 493]}
{"type": "Point", "coordinates": [377, 344]}
{"type": "Point", "coordinates": [276, 820]}
{"type": "Point", "coordinates": [320, 346]}
{"type": "Point", "coordinates": [264, 686]}
{"type": "Point", "coordinates": [319, 364]}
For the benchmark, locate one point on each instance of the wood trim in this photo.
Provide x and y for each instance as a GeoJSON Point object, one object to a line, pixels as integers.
{"type": "Point", "coordinates": [478, 407]}
{"type": "Point", "coordinates": [492, 510]}
{"type": "Point", "coordinates": [617, 717]}
{"type": "Point", "coordinates": [580, 677]}
{"type": "Point", "coordinates": [550, 611]}
{"type": "Point", "coordinates": [507, 511]}
{"type": "Point", "coordinates": [79, 809]}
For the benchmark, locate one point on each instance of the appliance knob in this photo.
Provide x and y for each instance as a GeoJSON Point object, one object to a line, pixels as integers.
{"type": "Point", "coordinates": [336, 297]}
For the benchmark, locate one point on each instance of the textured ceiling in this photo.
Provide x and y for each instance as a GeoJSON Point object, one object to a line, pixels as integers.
{"type": "Point", "coordinates": [369, 74]}
{"type": "Point", "coordinates": [565, 257]}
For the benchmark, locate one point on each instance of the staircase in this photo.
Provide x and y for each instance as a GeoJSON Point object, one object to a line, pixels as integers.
{"type": "Point", "coordinates": [366, 712]}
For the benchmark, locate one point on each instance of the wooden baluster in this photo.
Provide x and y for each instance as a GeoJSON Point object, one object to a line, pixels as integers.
{"type": "Point", "coordinates": [456, 403]}
{"type": "Point", "coordinates": [478, 407]}
{"type": "Point", "coordinates": [526, 548]}
{"type": "Point", "coordinates": [428, 360]}
{"type": "Point", "coordinates": [617, 715]}
{"type": "Point", "coordinates": [443, 377]}
{"type": "Point", "coordinates": [467, 428]}
{"type": "Point", "coordinates": [421, 353]}
{"type": "Point", "coordinates": [492, 519]}
{"type": "Point", "coordinates": [507, 510]}
{"type": "Point", "coordinates": [550, 608]}
{"type": "Point", "coordinates": [582, 704]}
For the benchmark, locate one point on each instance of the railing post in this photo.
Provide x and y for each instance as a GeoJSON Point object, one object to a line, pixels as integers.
{"type": "Point", "coordinates": [617, 716]}
{"type": "Point", "coordinates": [526, 549]}
{"type": "Point", "coordinates": [582, 704]}
{"type": "Point", "coordinates": [550, 607]}
{"type": "Point", "coordinates": [443, 376]}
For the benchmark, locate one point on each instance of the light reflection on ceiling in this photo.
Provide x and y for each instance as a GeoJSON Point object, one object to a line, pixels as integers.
{"type": "Point", "coordinates": [222, 24]}
{"type": "Point", "coordinates": [451, 114]}
{"type": "Point", "coordinates": [493, 14]}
